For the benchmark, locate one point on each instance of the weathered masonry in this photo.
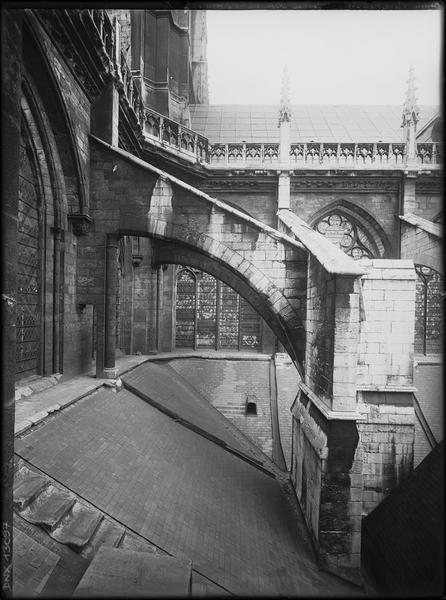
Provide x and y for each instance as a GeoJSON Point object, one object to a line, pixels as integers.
{"type": "Point", "coordinates": [138, 216]}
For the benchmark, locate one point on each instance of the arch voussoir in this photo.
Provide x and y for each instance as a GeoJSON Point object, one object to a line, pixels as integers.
{"type": "Point", "coordinates": [278, 305]}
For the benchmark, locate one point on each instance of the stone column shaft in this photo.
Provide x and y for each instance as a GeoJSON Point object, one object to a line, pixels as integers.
{"type": "Point", "coordinates": [110, 371]}
{"type": "Point", "coordinates": [11, 59]}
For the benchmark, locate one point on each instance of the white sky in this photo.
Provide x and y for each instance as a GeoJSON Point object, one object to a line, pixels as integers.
{"type": "Point", "coordinates": [333, 56]}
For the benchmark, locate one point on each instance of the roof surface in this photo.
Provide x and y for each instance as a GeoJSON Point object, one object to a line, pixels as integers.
{"type": "Point", "coordinates": [225, 123]}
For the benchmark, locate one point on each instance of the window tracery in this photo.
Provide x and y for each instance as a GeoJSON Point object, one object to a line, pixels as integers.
{"type": "Point", "coordinates": [428, 310]}
{"type": "Point", "coordinates": [347, 235]}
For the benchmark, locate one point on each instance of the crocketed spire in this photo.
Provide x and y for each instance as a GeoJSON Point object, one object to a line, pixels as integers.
{"type": "Point", "coordinates": [411, 112]}
{"type": "Point", "coordinates": [285, 106]}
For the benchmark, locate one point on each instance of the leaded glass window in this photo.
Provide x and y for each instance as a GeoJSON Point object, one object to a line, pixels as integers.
{"type": "Point", "coordinates": [185, 309]}
{"type": "Point", "coordinates": [29, 271]}
{"type": "Point", "coordinates": [210, 314]}
{"type": "Point", "coordinates": [428, 311]}
{"type": "Point", "coordinates": [347, 235]}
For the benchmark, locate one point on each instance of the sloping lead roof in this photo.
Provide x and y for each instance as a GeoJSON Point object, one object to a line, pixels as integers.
{"type": "Point", "coordinates": [226, 123]}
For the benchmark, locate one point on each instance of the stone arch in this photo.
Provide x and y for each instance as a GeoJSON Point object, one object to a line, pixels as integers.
{"type": "Point", "coordinates": [240, 274]}
{"type": "Point", "coordinates": [46, 154]}
{"type": "Point", "coordinates": [46, 218]}
{"type": "Point", "coordinates": [161, 200]}
{"type": "Point", "coordinates": [375, 233]}
{"type": "Point", "coordinates": [40, 75]}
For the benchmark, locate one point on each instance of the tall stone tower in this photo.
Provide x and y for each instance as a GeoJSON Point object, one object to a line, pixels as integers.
{"type": "Point", "coordinates": [199, 57]}
{"type": "Point", "coordinates": [166, 51]}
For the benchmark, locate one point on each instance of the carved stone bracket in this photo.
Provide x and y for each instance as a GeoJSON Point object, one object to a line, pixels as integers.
{"type": "Point", "coordinates": [136, 259]}
{"type": "Point", "coordinates": [80, 223]}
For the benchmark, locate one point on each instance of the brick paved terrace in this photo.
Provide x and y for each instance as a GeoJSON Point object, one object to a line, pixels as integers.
{"type": "Point", "coordinates": [182, 492]}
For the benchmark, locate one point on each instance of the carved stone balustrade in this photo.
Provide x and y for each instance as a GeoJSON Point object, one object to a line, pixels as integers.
{"type": "Point", "coordinates": [429, 154]}
{"type": "Point", "coordinates": [173, 136]}
{"type": "Point", "coordinates": [244, 155]}
{"type": "Point", "coordinates": [102, 39]}
{"type": "Point", "coordinates": [180, 140]}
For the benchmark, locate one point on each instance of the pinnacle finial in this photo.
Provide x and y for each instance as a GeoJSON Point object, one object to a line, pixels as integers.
{"type": "Point", "coordinates": [285, 105]}
{"type": "Point", "coordinates": [411, 112]}
{"type": "Point", "coordinates": [285, 95]}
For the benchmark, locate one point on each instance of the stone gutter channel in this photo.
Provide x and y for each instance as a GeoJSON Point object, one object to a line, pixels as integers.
{"type": "Point", "coordinates": [68, 392]}
{"type": "Point", "coordinates": [37, 397]}
{"type": "Point", "coordinates": [47, 503]}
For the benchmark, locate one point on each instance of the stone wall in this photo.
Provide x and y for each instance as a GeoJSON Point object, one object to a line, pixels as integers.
{"type": "Point", "coordinates": [226, 385]}
{"type": "Point", "coordinates": [376, 206]}
{"type": "Point", "coordinates": [259, 204]}
{"type": "Point", "coordinates": [262, 264]}
{"type": "Point", "coordinates": [385, 376]}
{"type": "Point", "coordinates": [422, 247]}
{"type": "Point", "coordinates": [144, 302]}
{"type": "Point", "coordinates": [385, 352]}
{"type": "Point", "coordinates": [427, 204]}
{"type": "Point", "coordinates": [287, 383]}
{"type": "Point", "coordinates": [386, 429]}
{"type": "Point", "coordinates": [77, 106]}
{"type": "Point", "coordinates": [332, 332]}
{"type": "Point", "coordinates": [78, 321]}
{"type": "Point", "coordinates": [58, 117]}
{"type": "Point", "coordinates": [327, 476]}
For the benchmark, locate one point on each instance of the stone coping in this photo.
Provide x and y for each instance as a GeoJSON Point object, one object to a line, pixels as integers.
{"type": "Point", "coordinates": [274, 233]}
{"type": "Point", "coordinates": [433, 228]}
{"type": "Point", "coordinates": [386, 388]}
{"type": "Point", "coordinates": [328, 413]}
{"type": "Point", "coordinates": [332, 258]}
{"type": "Point", "coordinates": [428, 359]}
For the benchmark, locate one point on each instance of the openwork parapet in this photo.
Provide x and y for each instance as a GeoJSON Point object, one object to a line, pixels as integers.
{"type": "Point", "coordinates": [173, 136]}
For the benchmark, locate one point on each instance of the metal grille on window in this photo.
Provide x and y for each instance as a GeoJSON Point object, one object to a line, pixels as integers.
{"type": "Point", "coordinates": [28, 275]}
{"type": "Point", "coordinates": [428, 311]}
{"type": "Point", "coordinates": [210, 314]}
{"type": "Point", "coordinates": [185, 309]}
{"type": "Point", "coordinates": [228, 317]}
{"type": "Point", "coordinates": [347, 235]}
{"type": "Point", "coordinates": [206, 310]}
{"type": "Point", "coordinates": [249, 325]}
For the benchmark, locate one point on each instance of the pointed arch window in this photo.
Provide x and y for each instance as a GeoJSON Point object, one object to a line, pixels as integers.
{"type": "Point", "coordinates": [348, 235]}
{"type": "Point", "coordinates": [428, 310]}
{"type": "Point", "coordinates": [30, 267]}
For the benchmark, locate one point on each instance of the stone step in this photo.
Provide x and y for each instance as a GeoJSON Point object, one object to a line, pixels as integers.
{"type": "Point", "coordinates": [205, 588]}
{"type": "Point", "coordinates": [114, 572]}
{"type": "Point", "coordinates": [77, 526]}
{"type": "Point", "coordinates": [32, 564]}
{"type": "Point", "coordinates": [49, 507]}
{"type": "Point", "coordinates": [27, 486]}
{"type": "Point", "coordinates": [137, 544]}
{"type": "Point", "coordinates": [107, 534]}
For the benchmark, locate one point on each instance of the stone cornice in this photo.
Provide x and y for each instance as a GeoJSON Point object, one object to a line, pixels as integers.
{"type": "Point", "coordinates": [433, 184]}
{"type": "Point", "coordinates": [246, 184]}
{"type": "Point", "coordinates": [355, 184]}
